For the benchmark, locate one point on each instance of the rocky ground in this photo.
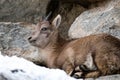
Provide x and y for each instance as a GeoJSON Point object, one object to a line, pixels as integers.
{"type": "Point", "coordinates": [103, 19]}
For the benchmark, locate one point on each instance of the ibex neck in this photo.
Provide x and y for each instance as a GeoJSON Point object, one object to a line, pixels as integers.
{"type": "Point", "coordinates": [60, 43]}
{"type": "Point", "coordinates": [52, 51]}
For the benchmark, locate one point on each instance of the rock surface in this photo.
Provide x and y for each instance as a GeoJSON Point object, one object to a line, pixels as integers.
{"type": "Point", "coordinates": [22, 10]}
{"type": "Point", "coordinates": [13, 39]}
{"type": "Point", "coordinates": [104, 19]}
{"type": "Point", "coordinates": [112, 77]}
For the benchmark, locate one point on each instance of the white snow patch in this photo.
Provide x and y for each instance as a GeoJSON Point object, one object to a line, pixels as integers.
{"type": "Point", "coordinates": [14, 68]}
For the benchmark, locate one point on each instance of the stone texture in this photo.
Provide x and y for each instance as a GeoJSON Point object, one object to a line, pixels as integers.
{"type": "Point", "coordinates": [85, 3]}
{"type": "Point", "coordinates": [111, 77]}
{"type": "Point", "coordinates": [103, 19]}
{"type": "Point", "coordinates": [13, 39]}
{"type": "Point", "coordinates": [22, 10]}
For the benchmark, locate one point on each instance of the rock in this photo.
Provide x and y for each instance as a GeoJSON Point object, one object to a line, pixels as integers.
{"type": "Point", "coordinates": [22, 10]}
{"type": "Point", "coordinates": [84, 3]}
{"type": "Point", "coordinates": [111, 77]}
{"type": "Point", "coordinates": [13, 40]}
{"type": "Point", "coordinates": [104, 19]}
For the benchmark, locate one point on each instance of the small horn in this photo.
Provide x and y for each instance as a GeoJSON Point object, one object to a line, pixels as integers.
{"type": "Point", "coordinates": [43, 17]}
{"type": "Point", "coordinates": [48, 15]}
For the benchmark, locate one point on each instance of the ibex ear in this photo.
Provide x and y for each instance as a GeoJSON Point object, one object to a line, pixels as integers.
{"type": "Point", "coordinates": [56, 22]}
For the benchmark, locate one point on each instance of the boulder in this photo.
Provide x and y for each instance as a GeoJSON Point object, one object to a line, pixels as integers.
{"type": "Point", "coordinates": [110, 77]}
{"type": "Point", "coordinates": [84, 3]}
{"type": "Point", "coordinates": [22, 10]}
{"type": "Point", "coordinates": [102, 19]}
{"type": "Point", "coordinates": [13, 40]}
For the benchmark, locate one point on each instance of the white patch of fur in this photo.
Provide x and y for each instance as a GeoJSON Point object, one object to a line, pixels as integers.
{"type": "Point", "coordinates": [89, 62]}
{"type": "Point", "coordinates": [45, 52]}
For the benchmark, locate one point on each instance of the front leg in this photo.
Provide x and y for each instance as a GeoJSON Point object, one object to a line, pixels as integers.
{"type": "Point", "coordinates": [83, 72]}
{"type": "Point", "coordinates": [77, 72]}
{"type": "Point", "coordinates": [68, 68]}
{"type": "Point", "coordinates": [93, 74]}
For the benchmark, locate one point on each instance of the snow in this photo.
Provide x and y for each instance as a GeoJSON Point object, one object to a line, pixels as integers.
{"type": "Point", "coordinates": [15, 68]}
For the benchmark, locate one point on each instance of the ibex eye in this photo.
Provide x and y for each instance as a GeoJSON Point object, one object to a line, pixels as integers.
{"type": "Point", "coordinates": [44, 29]}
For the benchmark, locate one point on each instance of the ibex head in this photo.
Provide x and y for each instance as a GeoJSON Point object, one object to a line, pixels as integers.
{"type": "Point", "coordinates": [44, 32]}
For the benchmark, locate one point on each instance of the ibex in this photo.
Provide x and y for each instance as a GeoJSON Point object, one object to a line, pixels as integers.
{"type": "Point", "coordinates": [54, 52]}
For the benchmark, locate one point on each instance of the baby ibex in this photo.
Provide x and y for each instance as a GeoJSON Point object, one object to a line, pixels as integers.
{"type": "Point", "coordinates": [102, 49]}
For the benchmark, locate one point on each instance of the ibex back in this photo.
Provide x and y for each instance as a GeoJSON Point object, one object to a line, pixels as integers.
{"type": "Point", "coordinates": [54, 52]}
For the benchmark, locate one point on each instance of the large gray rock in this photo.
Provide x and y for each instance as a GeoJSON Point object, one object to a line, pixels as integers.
{"type": "Point", "coordinates": [13, 40]}
{"type": "Point", "coordinates": [111, 77]}
{"type": "Point", "coordinates": [104, 19]}
{"type": "Point", "coordinates": [22, 10]}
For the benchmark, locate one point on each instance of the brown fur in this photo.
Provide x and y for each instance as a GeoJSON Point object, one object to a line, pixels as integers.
{"type": "Point", "coordinates": [56, 53]}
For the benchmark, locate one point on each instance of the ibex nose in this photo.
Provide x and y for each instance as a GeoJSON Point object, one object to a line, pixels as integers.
{"type": "Point", "coordinates": [31, 40]}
